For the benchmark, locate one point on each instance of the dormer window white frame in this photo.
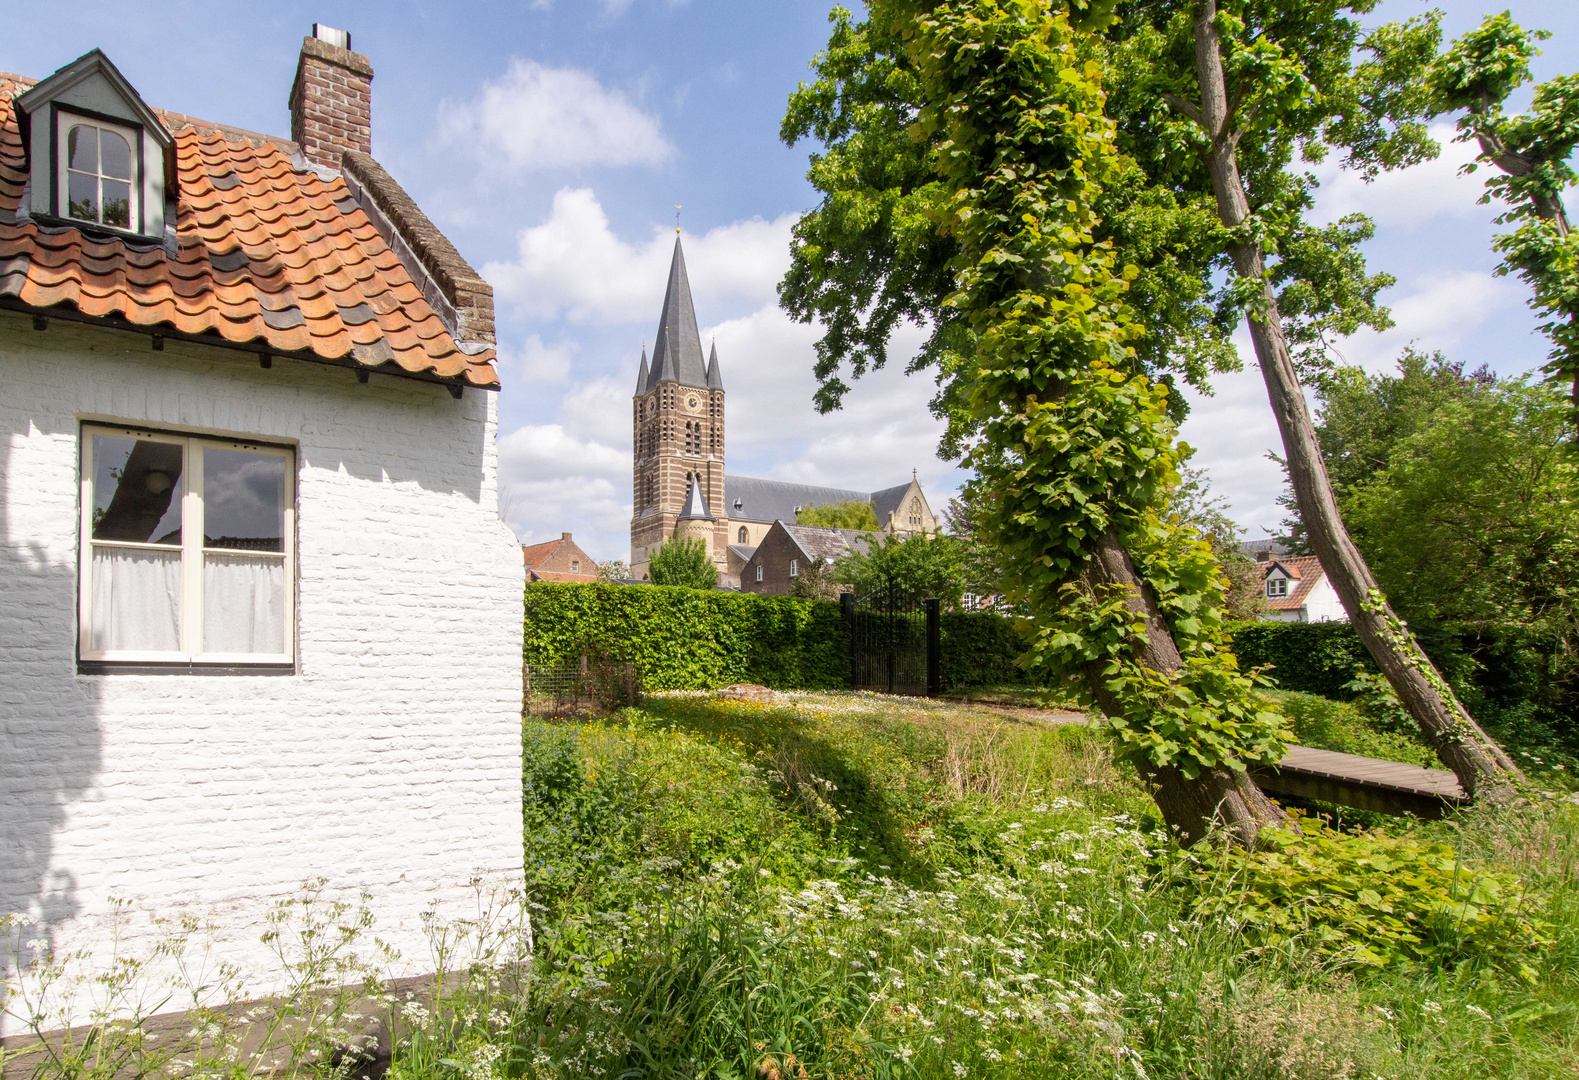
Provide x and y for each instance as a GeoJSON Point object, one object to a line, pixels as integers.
{"type": "Point", "coordinates": [98, 175]}
{"type": "Point", "coordinates": [1276, 588]}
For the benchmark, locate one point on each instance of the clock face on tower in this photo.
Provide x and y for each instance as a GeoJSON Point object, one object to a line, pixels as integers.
{"type": "Point", "coordinates": [691, 402]}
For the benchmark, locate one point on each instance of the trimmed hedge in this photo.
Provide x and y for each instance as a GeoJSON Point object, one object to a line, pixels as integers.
{"type": "Point", "coordinates": [690, 639]}
{"type": "Point", "coordinates": [1317, 658]}
{"type": "Point", "coordinates": [695, 639]}
{"type": "Point", "coordinates": [979, 649]}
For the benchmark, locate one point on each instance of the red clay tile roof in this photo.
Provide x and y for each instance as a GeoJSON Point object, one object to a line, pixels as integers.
{"type": "Point", "coordinates": [536, 553]}
{"type": "Point", "coordinates": [1303, 571]}
{"type": "Point", "coordinates": [266, 256]}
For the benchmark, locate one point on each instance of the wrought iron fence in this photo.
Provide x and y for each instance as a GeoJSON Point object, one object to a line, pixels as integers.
{"type": "Point", "coordinates": [894, 641]}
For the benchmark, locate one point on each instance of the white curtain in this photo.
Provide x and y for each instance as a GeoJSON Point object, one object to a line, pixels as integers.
{"type": "Point", "coordinates": [243, 604]}
{"type": "Point", "coordinates": [136, 600]}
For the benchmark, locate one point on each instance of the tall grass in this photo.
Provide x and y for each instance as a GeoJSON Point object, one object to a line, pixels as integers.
{"type": "Point", "coordinates": [855, 886]}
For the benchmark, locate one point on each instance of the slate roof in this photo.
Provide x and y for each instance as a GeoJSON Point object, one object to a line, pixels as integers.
{"type": "Point", "coordinates": [1304, 571]}
{"type": "Point", "coordinates": [677, 354]}
{"type": "Point", "coordinates": [775, 500]}
{"type": "Point", "coordinates": [715, 378]}
{"type": "Point", "coordinates": [888, 501]}
{"type": "Point", "coordinates": [695, 508]}
{"type": "Point", "coordinates": [1262, 548]}
{"type": "Point", "coordinates": [266, 255]}
{"type": "Point", "coordinates": [831, 544]}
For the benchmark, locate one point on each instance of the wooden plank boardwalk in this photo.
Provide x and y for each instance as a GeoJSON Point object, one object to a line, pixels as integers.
{"type": "Point", "coordinates": [1388, 787]}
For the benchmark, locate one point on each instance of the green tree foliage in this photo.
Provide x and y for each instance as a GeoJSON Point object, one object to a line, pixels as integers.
{"type": "Point", "coordinates": [850, 514]}
{"type": "Point", "coordinates": [1532, 154]}
{"type": "Point", "coordinates": [1475, 517]}
{"type": "Point", "coordinates": [1195, 505]}
{"type": "Point", "coordinates": [964, 519]}
{"type": "Point", "coordinates": [1364, 416]}
{"type": "Point", "coordinates": [821, 579]}
{"type": "Point", "coordinates": [918, 566]}
{"type": "Point", "coordinates": [683, 561]}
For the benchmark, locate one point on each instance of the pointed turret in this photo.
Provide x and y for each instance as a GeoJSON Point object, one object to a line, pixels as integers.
{"type": "Point", "coordinates": [641, 376]}
{"type": "Point", "coordinates": [695, 508]}
{"type": "Point", "coordinates": [715, 380]}
{"type": "Point", "coordinates": [677, 354]}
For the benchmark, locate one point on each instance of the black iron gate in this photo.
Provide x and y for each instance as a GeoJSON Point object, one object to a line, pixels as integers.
{"type": "Point", "coordinates": [894, 641]}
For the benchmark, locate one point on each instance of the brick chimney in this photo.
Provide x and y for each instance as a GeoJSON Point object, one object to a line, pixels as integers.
{"type": "Point", "coordinates": [332, 98]}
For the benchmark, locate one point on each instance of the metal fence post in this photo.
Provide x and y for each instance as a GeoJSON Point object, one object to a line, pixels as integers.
{"type": "Point", "coordinates": [847, 608]}
{"type": "Point", "coordinates": [934, 608]}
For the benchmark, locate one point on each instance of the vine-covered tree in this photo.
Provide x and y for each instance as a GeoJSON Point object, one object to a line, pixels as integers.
{"type": "Point", "coordinates": [1531, 153]}
{"type": "Point", "coordinates": [683, 561]}
{"type": "Point", "coordinates": [1251, 81]}
{"type": "Point", "coordinates": [989, 227]}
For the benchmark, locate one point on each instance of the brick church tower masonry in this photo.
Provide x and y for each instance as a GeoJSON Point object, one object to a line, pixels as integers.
{"type": "Point", "coordinates": [677, 433]}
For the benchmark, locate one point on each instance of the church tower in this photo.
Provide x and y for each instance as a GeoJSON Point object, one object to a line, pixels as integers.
{"type": "Point", "coordinates": [677, 434]}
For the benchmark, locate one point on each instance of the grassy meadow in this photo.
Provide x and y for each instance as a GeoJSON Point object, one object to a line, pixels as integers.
{"type": "Point", "coordinates": [842, 885]}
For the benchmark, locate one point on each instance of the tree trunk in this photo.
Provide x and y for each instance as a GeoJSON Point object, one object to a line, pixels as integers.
{"type": "Point", "coordinates": [1190, 807]}
{"type": "Point", "coordinates": [1481, 766]}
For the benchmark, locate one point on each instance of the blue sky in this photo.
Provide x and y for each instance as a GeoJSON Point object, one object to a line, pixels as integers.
{"type": "Point", "coordinates": [552, 140]}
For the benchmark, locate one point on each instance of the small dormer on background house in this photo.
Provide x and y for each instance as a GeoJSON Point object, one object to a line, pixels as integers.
{"type": "Point", "coordinates": [97, 157]}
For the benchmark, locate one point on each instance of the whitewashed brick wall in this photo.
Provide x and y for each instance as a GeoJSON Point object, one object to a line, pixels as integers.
{"type": "Point", "coordinates": [390, 762]}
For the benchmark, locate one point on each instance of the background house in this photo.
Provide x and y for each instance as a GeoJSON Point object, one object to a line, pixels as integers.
{"type": "Point", "coordinates": [1297, 590]}
{"type": "Point", "coordinates": [558, 560]}
{"type": "Point", "coordinates": [787, 551]}
{"type": "Point", "coordinates": [262, 624]}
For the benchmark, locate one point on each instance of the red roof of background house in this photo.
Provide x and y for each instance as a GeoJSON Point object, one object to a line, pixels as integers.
{"type": "Point", "coordinates": [265, 254]}
{"type": "Point", "coordinates": [1303, 572]}
{"type": "Point", "coordinates": [537, 554]}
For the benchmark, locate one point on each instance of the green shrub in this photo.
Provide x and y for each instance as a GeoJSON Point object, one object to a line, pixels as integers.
{"type": "Point", "coordinates": [1372, 898]}
{"type": "Point", "coordinates": [683, 561]}
{"type": "Point", "coordinates": [690, 639]}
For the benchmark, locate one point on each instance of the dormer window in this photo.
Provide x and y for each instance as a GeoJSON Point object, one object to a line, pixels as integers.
{"type": "Point", "coordinates": [98, 158]}
{"type": "Point", "coordinates": [1276, 588]}
{"type": "Point", "coordinates": [97, 172]}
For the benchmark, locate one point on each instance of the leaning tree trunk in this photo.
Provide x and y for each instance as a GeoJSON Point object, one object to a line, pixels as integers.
{"type": "Point", "coordinates": [1217, 796]}
{"type": "Point", "coordinates": [1480, 765]}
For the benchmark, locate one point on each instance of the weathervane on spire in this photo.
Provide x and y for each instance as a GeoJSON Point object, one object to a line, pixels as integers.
{"type": "Point", "coordinates": [677, 218]}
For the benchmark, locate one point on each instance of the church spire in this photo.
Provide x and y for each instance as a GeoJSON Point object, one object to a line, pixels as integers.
{"type": "Point", "coordinates": [715, 380]}
{"type": "Point", "coordinates": [677, 354]}
{"type": "Point", "coordinates": [641, 376]}
{"type": "Point", "coordinates": [695, 508]}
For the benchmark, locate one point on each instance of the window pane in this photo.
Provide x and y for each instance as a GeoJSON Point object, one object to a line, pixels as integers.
{"type": "Point", "coordinates": [117, 156]}
{"type": "Point", "coordinates": [82, 148]}
{"type": "Point", "coordinates": [82, 197]}
{"type": "Point", "coordinates": [117, 204]}
{"type": "Point", "coordinates": [136, 490]}
{"type": "Point", "coordinates": [243, 604]}
{"type": "Point", "coordinates": [135, 600]}
{"type": "Point", "coordinates": [243, 500]}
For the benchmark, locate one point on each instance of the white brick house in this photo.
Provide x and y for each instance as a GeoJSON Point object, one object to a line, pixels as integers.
{"type": "Point", "coordinates": [259, 621]}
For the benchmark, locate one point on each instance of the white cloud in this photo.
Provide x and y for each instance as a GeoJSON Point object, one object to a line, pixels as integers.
{"type": "Point", "coordinates": [1405, 198]}
{"type": "Point", "coordinates": [536, 117]}
{"type": "Point", "coordinates": [574, 266]}
{"type": "Point", "coordinates": [537, 362]}
{"type": "Point", "coordinates": [552, 481]}
{"type": "Point", "coordinates": [1446, 309]}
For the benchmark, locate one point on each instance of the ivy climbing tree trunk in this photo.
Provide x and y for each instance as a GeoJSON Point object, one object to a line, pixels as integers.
{"type": "Point", "coordinates": [1482, 768]}
{"type": "Point", "coordinates": [1220, 795]}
